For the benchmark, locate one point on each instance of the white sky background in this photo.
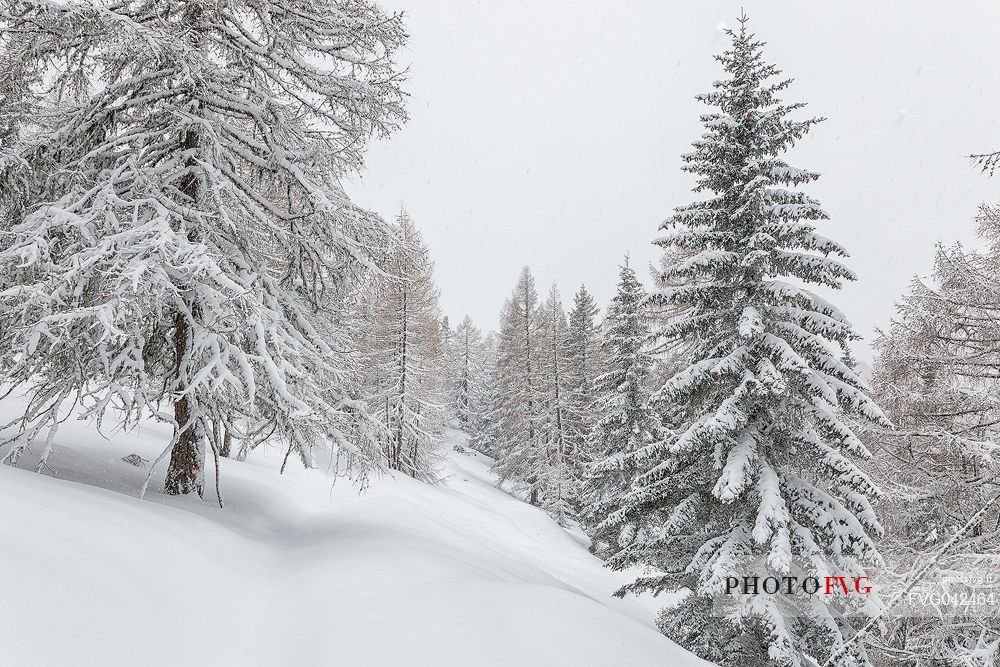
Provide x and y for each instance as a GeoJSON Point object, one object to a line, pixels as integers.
{"type": "Point", "coordinates": [548, 133]}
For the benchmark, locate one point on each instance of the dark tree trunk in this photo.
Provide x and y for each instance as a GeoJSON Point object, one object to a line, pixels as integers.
{"type": "Point", "coordinates": [222, 438]}
{"type": "Point", "coordinates": [184, 471]}
{"type": "Point", "coordinates": [227, 443]}
{"type": "Point", "coordinates": [185, 458]}
{"type": "Point", "coordinates": [397, 463]}
{"type": "Point", "coordinates": [533, 479]}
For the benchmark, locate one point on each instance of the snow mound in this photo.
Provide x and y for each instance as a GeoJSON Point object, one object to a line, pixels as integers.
{"type": "Point", "coordinates": [297, 571]}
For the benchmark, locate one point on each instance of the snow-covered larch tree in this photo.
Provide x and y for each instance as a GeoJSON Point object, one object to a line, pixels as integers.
{"type": "Point", "coordinates": [516, 414]}
{"type": "Point", "coordinates": [762, 473]}
{"type": "Point", "coordinates": [406, 363]}
{"type": "Point", "coordinates": [937, 374]}
{"type": "Point", "coordinates": [558, 472]}
{"type": "Point", "coordinates": [176, 213]}
{"type": "Point", "coordinates": [626, 422]}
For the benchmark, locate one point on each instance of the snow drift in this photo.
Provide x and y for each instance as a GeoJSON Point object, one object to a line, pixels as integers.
{"type": "Point", "coordinates": [296, 570]}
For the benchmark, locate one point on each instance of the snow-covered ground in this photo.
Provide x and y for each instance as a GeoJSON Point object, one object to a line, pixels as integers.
{"type": "Point", "coordinates": [296, 571]}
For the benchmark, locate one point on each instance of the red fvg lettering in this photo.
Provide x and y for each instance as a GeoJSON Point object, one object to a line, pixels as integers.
{"type": "Point", "coordinates": [831, 585]}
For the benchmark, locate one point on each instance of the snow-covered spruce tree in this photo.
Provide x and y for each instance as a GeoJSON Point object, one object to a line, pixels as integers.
{"type": "Point", "coordinates": [470, 373]}
{"type": "Point", "coordinates": [177, 215]}
{"type": "Point", "coordinates": [558, 472]}
{"type": "Point", "coordinates": [450, 366]}
{"type": "Point", "coordinates": [761, 473]}
{"type": "Point", "coordinates": [485, 399]}
{"type": "Point", "coordinates": [626, 422]}
{"type": "Point", "coordinates": [516, 414]}
{"type": "Point", "coordinates": [582, 367]}
{"type": "Point", "coordinates": [937, 374]}
{"type": "Point", "coordinates": [405, 360]}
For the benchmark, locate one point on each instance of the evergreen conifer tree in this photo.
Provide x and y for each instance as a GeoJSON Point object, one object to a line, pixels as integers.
{"type": "Point", "coordinates": [470, 361]}
{"type": "Point", "coordinates": [626, 423]}
{"type": "Point", "coordinates": [487, 400]}
{"type": "Point", "coordinates": [762, 473]}
{"type": "Point", "coordinates": [582, 367]}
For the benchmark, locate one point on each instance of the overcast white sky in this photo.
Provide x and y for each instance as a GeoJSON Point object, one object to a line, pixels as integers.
{"type": "Point", "coordinates": [548, 133]}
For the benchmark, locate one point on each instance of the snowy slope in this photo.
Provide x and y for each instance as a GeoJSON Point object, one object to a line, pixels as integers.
{"type": "Point", "coordinates": [295, 571]}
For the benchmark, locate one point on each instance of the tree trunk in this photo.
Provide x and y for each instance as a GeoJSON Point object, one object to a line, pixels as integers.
{"type": "Point", "coordinates": [183, 473]}
{"type": "Point", "coordinates": [533, 478]}
{"type": "Point", "coordinates": [227, 444]}
{"type": "Point", "coordinates": [186, 457]}
{"type": "Point", "coordinates": [223, 439]}
{"type": "Point", "coordinates": [403, 365]}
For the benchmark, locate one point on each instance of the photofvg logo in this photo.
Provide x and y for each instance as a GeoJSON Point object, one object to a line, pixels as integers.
{"type": "Point", "coordinates": [794, 590]}
{"type": "Point", "coordinates": [954, 587]}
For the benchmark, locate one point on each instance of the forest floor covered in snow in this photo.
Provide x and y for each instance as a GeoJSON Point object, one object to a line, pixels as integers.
{"type": "Point", "coordinates": [296, 570]}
